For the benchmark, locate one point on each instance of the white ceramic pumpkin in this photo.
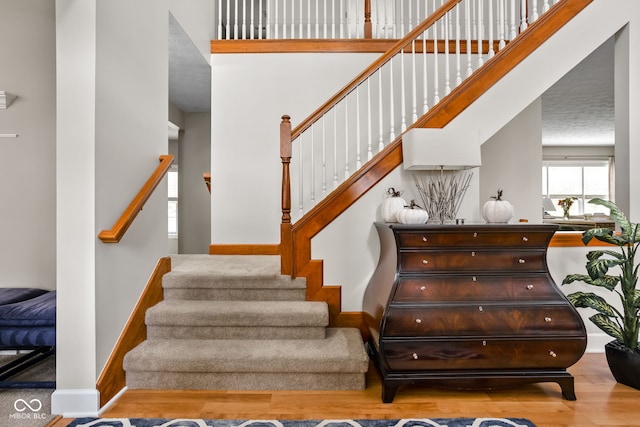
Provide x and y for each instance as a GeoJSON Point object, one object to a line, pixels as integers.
{"type": "Point", "coordinates": [413, 214]}
{"type": "Point", "coordinates": [392, 205]}
{"type": "Point", "coordinates": [497, 210]}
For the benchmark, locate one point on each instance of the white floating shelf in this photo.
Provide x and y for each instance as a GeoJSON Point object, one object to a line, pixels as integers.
{"type": "Point", "coordinates": [5, 99]}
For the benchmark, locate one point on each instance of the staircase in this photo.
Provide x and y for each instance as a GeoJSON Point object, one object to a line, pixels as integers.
{"type": "Point", "coordinates": [235, 323]}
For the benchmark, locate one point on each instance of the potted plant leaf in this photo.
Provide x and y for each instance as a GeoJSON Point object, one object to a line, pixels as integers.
{"type": "Point", "coordinates": [623, 353]}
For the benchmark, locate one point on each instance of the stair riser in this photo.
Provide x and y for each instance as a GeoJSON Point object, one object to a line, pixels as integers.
{"type": "Point", "coordinates": [219, 332]}
{"type": "Point", "coordinates": [245, 381]}
{"type": "Point", "coordinates": [235, 294]}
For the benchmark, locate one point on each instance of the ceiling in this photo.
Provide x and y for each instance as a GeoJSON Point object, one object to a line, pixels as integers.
{"type": "Point", "coordinates": [577, 110]}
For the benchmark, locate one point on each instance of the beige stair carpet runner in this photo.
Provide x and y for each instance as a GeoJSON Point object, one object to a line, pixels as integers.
{"type": "Point", "coordinates": [235, 323]}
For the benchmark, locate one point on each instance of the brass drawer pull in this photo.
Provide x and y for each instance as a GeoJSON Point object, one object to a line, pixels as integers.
{"type": "Point", "coordinates": [521, 261]}
{"type": "Point", "coordinates": [424, 238]}
{"type": "Point", "coordinates": [474, 279]}
{"type": "Point", "coordinates": [473, 253]}
{"type": "Point", "coordinates": [547, 319]}
{"type": "Point", "coordinates": [525, 239]}
{"type": "Point", "coordinates": [484, 343]}
{"type": "Point", "coordinates": [418, 320]}
{"type": "Point", "coordinates": [529, 286]}
{"type": "Point", "coordinates": [480, 308]}
{"type": "Point", "coordinates": [475, 234]}
{"type": "Point", "coordinates": [415, 356]}
{"type": "Point", "coordinates": [423, 288]}
{"type": "Point", "coordinates": [424, 261]}
{"type": "Point", "coordinates": [552, 353]}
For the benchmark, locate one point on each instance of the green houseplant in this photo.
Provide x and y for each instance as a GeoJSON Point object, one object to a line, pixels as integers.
{"type": "Point", "coordinates": [623, 354]}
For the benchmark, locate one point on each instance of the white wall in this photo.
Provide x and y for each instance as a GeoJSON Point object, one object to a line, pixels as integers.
{"type": "Point", "coordinates": [27, 175]}
{"type": "Point", "coordinates": [194, 201]}
{"type": "Point", "coordinates": [512, 162]}
{"type": "Point", "coordinates": [112, 70]}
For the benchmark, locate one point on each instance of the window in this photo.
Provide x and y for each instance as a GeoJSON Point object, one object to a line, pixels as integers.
{"type": "Point", "coordinates": [581, 179]}
{"type": "Point", "coordinates": [172, 177]}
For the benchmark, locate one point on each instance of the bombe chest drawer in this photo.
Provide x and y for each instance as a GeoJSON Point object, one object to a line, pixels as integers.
{"type": "Point", "coordinates": [469, 307]}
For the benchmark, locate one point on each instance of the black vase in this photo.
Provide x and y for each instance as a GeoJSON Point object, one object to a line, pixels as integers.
{"type": "Point", "coordinates": [624, 364]}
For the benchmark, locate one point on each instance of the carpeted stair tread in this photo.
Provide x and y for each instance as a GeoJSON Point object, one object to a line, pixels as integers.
{"type": "Point", "coordinates": [341, 351]}
{"type": "Point", "coordinates": [222, 271]}
{"type": "Point", "coordinates": [238, 313]}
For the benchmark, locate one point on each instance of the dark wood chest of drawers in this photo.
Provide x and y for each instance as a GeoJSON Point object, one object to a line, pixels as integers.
{"type": "Point", "coordinates": [469, 307]}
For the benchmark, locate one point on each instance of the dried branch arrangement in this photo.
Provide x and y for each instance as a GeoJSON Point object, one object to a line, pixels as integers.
{"type": "Point", "coordinates": [442, 192]}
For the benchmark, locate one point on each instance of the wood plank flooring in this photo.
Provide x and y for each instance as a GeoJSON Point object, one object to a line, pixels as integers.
{"type": "Point", "coordinates": [601, 402]}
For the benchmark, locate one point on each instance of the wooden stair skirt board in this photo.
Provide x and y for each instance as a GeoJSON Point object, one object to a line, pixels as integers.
{"type": "Point", "coordinates": [235, 323]}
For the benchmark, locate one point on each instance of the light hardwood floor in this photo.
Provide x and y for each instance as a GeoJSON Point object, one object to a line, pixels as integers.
{"type": "Point", "coordinates": [601, 402]}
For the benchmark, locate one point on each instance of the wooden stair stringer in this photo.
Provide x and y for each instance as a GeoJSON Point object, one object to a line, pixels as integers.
{"type": "Point", "coordinates": [390, 157]}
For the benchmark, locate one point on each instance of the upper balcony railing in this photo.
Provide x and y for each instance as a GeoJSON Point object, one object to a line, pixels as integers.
{"type": "Point", "coordinates": [357, 19]}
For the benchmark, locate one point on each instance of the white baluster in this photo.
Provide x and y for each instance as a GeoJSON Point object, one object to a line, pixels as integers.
{"type": "Point", "coordinates": [300, 25]}
{"type": "Point", "coordinates": [358, 160]}
{"type": "Point", "coordinates": [268, 14]}
{"type": "Point", "coordinates": [219, 20]}
{"type": "Point", "coordinates": [284, 20]}
{"type": "Point", "coordinates": [313, 169]}
{"type": "Point", "coordinates": [501, 25]}
{"type": "Point", "coordinates": [414, 85]}
{"type": "Point", "coordinates": [346, 137]}
{"type": "Point", "coordinates": [523, 15]}
{"type": "Point", "coordinates": [480, 34]}
{"type": "Point", "coordinates": [235, 22]}
{"type": "Point", "coordinates": [447, 80]}
{"type": "Point", "coordinates": [317, 27]}
{"type": "Point", "coordinates": [275, 21]}
{"type": "Point", "coordinates": [490, 21]}
{"type": "Point", "coordinates": [300, 179]}
{"type": "Point", "coordinates": [403, 108]}
{"type": "Point", "coordinates": [380, 119]}
{"type": "Point", "coordinates": [309, 19]}
{"type": "Point", "coordinates": [252, 21]}
{"type": "Point", "coordinates": [260, 19]}
{"type": "Point", "coordinates": [342, 18]}
{"type": "Point", "coordinates": [369, 136]}
{"type": "Point", "coordinates": [392, 131]}
{"type": "Point", "coordinates": [402, 31]}
{"type": "Point", "coordinates": [425, 91]}
{"type": "Point", "coordinates": [458, 71]}
{"type": "Point", "coordinates": [228, 26]}
{"type": "Point", "coordinates": [333, 19]}
{"type": "Point", "coordinates": [324, 159]}
{"type": "Point", "coordinates": [534, 12]}
{"type": "Point", "coordinates": [244, 19]}
{"type": "Point", "coordinates": [335, 149]}
{"type": "Point", "coordinates": [436, 91]}
{"type": "Point", "coordinates": [545, 6]}
{"type": "Point", "coordinates": [325, 19]}
{"type": "Point", "coordinates": [467, 18]}
{"type": "Point", "coordinates": [377, 16]}
{"type": "Point", "coordinates": [292, 28]}
{"type": "Point", "coordinates": [513, 33]}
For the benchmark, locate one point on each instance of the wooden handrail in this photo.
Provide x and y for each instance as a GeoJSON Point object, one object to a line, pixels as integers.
{"type": "Point", "coordinates": [122, 224]}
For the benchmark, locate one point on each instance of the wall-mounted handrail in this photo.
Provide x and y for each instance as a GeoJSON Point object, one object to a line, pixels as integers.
{"type": "Point", "coordinates": [126, 219]}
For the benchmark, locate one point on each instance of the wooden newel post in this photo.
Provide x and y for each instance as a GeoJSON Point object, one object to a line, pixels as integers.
{"type": "Point", "coordinates": [368, 32]}
{"type": "Point", "coordinates": [286, 240]}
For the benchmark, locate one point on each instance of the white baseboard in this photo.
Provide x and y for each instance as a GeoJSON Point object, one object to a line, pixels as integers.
{"type": "Point", "coordinates": [75, 403]}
